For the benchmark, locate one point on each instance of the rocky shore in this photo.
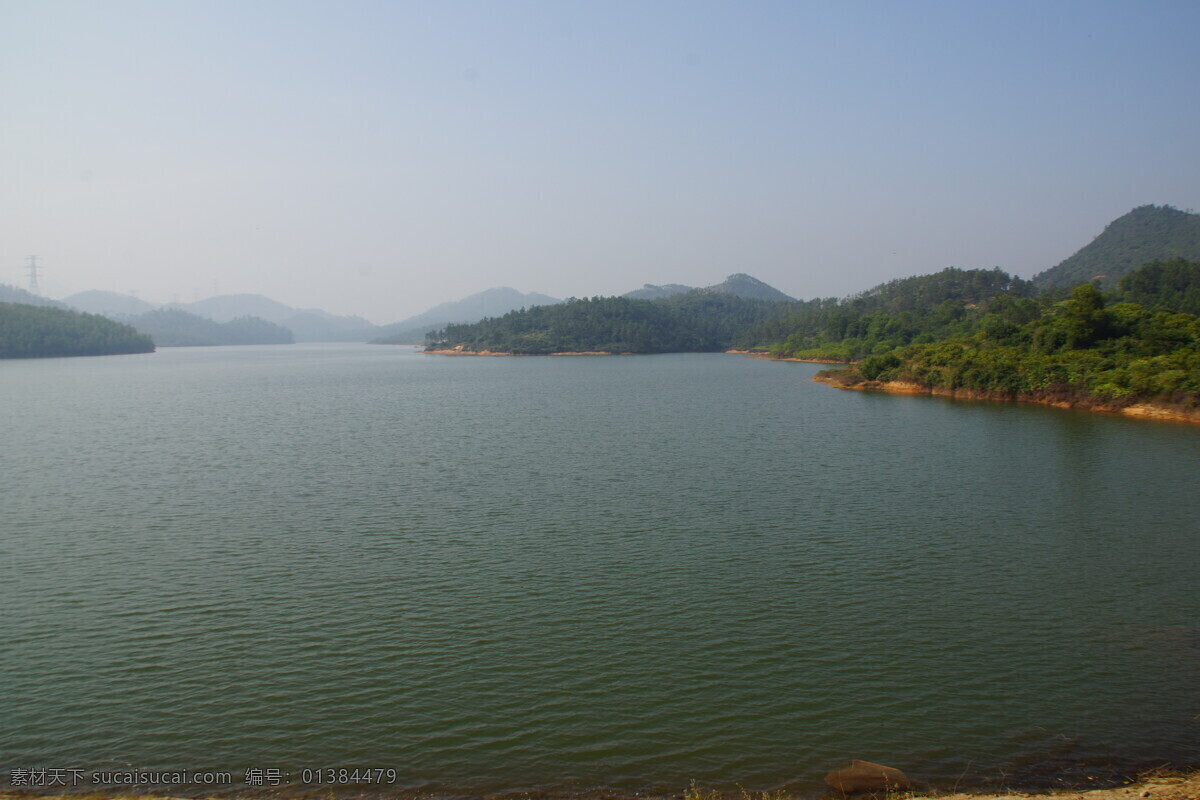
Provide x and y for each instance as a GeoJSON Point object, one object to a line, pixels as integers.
{"type": "Point", "coordinates": [1158, 411]}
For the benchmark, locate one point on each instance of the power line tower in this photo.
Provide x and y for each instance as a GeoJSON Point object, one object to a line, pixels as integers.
{"type": "Point", "coordinates": [32, 269]}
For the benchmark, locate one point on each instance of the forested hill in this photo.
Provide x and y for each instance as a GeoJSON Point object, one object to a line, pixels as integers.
{"type": "Point", "coordinates": [28, 331]}
{"type": "Point", "coordinates": [174, 328]}
{"type": "Point", "coordinates": [1091, 348]}
{"type": "Point", "coordinates": [692, 322]}
{"type": "Point", "coordinates": [1147, 233]}
{"type": "Point", "coordinates": [919, 309]}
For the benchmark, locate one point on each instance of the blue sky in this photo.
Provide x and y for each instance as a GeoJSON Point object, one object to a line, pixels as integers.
{"type": "Point", "coordinates": [381, 157]}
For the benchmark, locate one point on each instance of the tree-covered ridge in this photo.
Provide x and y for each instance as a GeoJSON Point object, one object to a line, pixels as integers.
{"type": "Point", "coordinates": [175, 328]}
{"type": "Point", "coordinates": [1089, 347]}
{"type": "Point", "coordinates": [693, 322]}
{"type": "Point", "coordinates": [924, 308]}
{"type": "Point", "coordinates": [1164, 285]}
{"type": "Point", "coordinates": [28, 331]}
{"type": "Point", "coordinates": [1147, 233]}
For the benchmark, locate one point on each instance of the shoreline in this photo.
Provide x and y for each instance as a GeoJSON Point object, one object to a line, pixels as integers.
{"type": "Point", "coordinates": [1155, 785]}
{"type": "Point", "coordinates": [454, 352]}
{"type": "Point", "coordinates": [1156, 411]}
{"type": "Point", "coordinates": [769, 357]}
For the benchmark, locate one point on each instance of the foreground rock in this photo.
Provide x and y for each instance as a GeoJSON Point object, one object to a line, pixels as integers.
{"type": "Point", "coordinates": [867, 776]}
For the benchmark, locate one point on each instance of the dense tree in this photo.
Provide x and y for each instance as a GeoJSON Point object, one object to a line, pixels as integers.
{"type": "Point", "coordinates": [976, 329]}
{"type": "Point", "coordinates": [28, 331]}
{"type": "Point", "coordinates": [911, 310]}
{"type": "Point", "coordinates": [692, 322]}
{"type": "Point", "coordinates": [1172, 285]}
{"type": "Point", "coordinates": [1084, 347]}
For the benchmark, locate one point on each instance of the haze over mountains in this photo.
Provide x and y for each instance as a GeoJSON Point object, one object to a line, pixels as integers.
{"type": "Point", "coordinates": [489, 303]}
{"type": "Point", "coordinates": [315, 325]}
{"type": "Point", "coordinates": [1144, 234]}
{"type": "Point", "coordinates": [307, 325]}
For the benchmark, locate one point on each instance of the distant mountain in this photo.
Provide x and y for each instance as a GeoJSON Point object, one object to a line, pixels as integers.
{"type": "Point", "coordinates": [107, 303]}
{"type": "Point", "coordinates": [226, 307]}
{"type": "Point", "coordinates": [314, 325]}
{"type": "Point", "coordinates": [652, 292]}
{"type": "Point", "coordinates": [173, 327]}
{"type": "Point", "coordinates": [743, 285]}
{"type": "Point", "coordinates": [1145, 234]}
{"type": "Point", "coordinates": [11, 294]}
{"type": "Point", "coordinates": [489, 303]}
{"type": "Point", "coordinates": [738, 285]}
{"type": "Point", "coordinates": [308, 324]}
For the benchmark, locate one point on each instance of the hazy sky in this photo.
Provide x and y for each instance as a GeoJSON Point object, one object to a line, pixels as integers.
{"type": "Point", "coordinates": [381, 157]}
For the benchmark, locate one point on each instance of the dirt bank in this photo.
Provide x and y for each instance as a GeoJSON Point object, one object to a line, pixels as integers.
{"type": "Point", "coordinates": [1160, 787]}
{"type": "Point", "coordinates": [1157, 411]}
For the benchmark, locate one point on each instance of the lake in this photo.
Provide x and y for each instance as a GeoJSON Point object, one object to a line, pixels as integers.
{"type": "Point", "coordinates": [495, 575]}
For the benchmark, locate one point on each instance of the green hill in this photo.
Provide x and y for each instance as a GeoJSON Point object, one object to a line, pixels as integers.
{"type": "Point", "coordinates": [688, 323]}
{"type": "Point", "coordinates": [1093, 348]}
{"type": "Point", "coordinates": [28, 331]}
{"type": "Point", "coordinates": [1147, 233]}
{"type": "Point", "coordinates": [918, 309]}
{"type": "Point", "coordinates": [171, 327]}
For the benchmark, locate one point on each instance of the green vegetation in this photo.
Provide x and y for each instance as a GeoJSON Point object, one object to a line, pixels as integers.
{"type": "Point", "coordinates": [28, 331]}
{"type": "Point", "coordinates": [982, 331]}
{"type": "Point", "coordinates": [692, 322]}
{"type": "Point", "coordinates": [694, 792]}
{"type": "Point", "coordinates": [1090, 347]}
{"type": "Point", "coordinates": [1164, 285]}
{"type": "Point", "coordinates": [926, 308]}
{"type": "Point", "coordinates": [1147, 233]}
{"type": "Point", "coordinates": [175, 328]}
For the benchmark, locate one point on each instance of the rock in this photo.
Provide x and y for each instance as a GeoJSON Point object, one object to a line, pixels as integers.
{"type": "Point", "coordinates": [865, 776]}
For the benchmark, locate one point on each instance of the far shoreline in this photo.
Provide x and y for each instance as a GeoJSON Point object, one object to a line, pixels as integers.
{"type": "Point", "coordinates": [769, 357]}
{"type": "Point", "coordinates": [492, 353]}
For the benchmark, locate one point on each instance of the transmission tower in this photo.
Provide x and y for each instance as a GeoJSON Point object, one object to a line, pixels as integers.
{"type": "Point", "coordinates": [32, 269]}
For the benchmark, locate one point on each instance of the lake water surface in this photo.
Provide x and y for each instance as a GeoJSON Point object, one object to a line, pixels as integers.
{"type": "Point", "coordinates": [561, 574]}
